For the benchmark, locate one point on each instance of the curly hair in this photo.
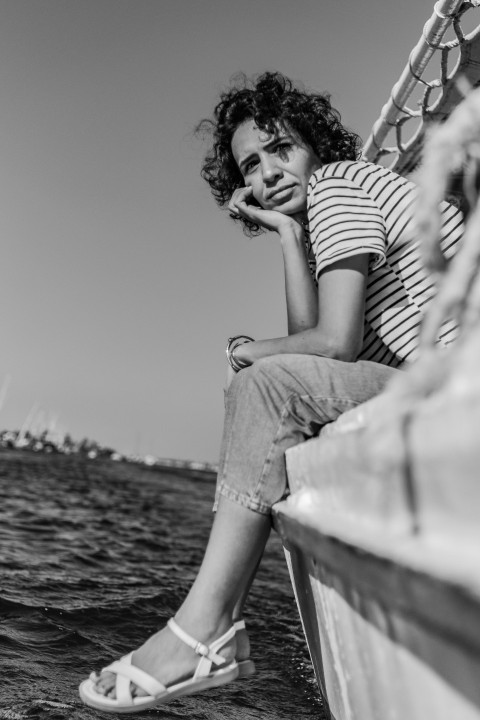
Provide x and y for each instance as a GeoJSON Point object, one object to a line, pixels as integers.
{"type": "Point", "coordinates": [272, 101]}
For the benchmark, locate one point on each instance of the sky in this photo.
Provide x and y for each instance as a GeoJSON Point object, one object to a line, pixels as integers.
{"type": "Point", "coordinates": [121, 280]}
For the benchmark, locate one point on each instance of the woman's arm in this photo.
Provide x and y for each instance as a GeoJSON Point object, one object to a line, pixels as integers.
{"type": "Point", "coordinates": [329, 322]}
{"type": "Point", "coordinates": [300, 287]}
{"type": "Point", "coordinates": [338, 332]}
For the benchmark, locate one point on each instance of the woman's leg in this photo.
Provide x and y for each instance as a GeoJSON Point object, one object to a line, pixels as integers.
{"type": "Point", "coordinates": [241, 636]}
{"type": "Point", "coordinates": [236, 543]}
{"type": "Point", "coordinates": [275, 404]}
{"type": "Point", "coordinates": [279, 402]}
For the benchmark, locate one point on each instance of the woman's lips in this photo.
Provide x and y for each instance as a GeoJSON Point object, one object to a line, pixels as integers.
{"type": "Point", "coordinates": [278, 193]}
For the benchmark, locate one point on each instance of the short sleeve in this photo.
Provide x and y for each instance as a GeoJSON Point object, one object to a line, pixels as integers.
{"type": "Point", "coordinates": [343, 221]}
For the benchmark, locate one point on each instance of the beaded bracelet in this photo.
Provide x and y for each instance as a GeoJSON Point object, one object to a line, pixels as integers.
{"type": "Point", "coordinates": [232, 345]}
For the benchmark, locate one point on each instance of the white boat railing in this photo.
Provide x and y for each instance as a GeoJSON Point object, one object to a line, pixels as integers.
{"type": "Point", "coordinates": [403, 156]}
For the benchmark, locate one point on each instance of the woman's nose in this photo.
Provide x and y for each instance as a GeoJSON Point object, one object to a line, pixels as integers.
{"type": "Point", "coordinates": [271, 170]}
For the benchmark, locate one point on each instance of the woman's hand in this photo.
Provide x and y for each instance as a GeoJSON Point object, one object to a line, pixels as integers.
{"type": "Point", "coordinates": [268, 219]}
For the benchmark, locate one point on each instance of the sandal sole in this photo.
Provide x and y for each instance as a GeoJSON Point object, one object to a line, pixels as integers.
{"type": "Point", "coordinates": [221, 677]}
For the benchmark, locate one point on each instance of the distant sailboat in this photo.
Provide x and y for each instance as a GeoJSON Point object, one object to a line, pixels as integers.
{"type": "Point", "coordinates": [21, 440]}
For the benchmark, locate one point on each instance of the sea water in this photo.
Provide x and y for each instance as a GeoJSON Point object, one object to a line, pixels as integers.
{"type": "Point", "coordinates": [97, 555]}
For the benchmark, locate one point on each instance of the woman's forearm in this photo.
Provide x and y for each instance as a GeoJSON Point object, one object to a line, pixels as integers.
{"type": "Point", "coordinates": [300, 288]}
{"type": "Point", "coordinates": [338, 332]}
{"type": "Point", "coordinates": [304, 342]}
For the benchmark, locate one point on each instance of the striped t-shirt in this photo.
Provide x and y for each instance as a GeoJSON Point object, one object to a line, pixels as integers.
{"type": "Point", "coordinates": [356, 207]}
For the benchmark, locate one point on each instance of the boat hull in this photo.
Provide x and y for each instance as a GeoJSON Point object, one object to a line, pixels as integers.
{"type": "Point", "coordinates": [384, 557]}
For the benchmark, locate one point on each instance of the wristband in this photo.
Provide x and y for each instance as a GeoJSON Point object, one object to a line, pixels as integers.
{"type": "Point", "coordinates": [232, 345]}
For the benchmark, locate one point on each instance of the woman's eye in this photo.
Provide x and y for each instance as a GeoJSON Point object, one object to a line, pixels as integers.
{"type": "Point", "coordinates": [283, 148]}
{"type": "Point", "coordinates": [249, 166]}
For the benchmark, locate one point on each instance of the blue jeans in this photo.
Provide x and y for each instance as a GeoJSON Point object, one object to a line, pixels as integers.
{"type": "Point", "coordinates": [279, 402]}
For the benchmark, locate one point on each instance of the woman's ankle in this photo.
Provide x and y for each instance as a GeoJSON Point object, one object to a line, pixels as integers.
{"type": "Point", "coordinates": [203, 627]}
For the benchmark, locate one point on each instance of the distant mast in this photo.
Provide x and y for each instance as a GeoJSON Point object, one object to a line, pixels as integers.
{"type": "Point", "coordinates": [20, 441]}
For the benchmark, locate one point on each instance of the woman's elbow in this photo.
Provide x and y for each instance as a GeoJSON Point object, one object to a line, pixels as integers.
{"type": "Point", "coordinates": [346, 355]}
{"type": "Point", "coordinates": [344, 349]}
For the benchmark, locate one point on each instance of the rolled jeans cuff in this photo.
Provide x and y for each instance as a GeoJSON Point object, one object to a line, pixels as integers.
{"type": "Point", "coordinates": [246, 501]}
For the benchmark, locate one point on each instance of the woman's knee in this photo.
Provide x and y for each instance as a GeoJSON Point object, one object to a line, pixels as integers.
{"type": "Point", "coordinates": [269, 376]}
{"type": "Point", "coordinates": [241, 383]}
{"type": "Point", "coordinates": [263, 370]}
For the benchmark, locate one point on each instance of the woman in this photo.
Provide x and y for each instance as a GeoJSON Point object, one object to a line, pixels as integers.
{"type": "Point", "coordinates": [355, 294]}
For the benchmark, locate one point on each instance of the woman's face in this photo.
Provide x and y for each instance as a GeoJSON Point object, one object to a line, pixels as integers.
{"type": "Point", "coordinates": [277, 167]}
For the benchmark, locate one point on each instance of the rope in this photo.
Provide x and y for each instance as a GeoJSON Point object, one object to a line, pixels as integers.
{"type": "Point", "coordinates": [446, 14]}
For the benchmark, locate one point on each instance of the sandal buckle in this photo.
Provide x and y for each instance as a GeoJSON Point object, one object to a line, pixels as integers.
{"type": "Point", "coordinates": [202, 649]}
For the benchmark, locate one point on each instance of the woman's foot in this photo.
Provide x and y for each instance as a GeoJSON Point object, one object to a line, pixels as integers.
{"type": "Point", "coordinates": [168, 659]}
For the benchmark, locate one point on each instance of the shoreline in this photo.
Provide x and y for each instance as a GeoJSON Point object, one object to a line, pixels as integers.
{"type": "Point", "coordinates": [50, 444]}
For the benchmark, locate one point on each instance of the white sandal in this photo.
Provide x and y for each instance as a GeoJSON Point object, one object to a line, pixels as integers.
{"type": "Point", "coordinates": [203, 678]}
{"type": "Point", "coordinates": [246, 668]}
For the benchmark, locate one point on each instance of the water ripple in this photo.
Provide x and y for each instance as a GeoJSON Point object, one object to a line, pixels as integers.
{"type": "Point", "coordinates": [95, 557]}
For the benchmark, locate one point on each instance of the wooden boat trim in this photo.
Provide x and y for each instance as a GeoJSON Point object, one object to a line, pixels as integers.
{"type": "Point", "coordinates": [428, 595]}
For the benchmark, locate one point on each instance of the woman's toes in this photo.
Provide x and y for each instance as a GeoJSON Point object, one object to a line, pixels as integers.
{"type": "Point", "coordinates": [136, 691]}
{"type": "Point", "coordinates": [105, 684]}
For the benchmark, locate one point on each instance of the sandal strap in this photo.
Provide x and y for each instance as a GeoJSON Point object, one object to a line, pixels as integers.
{"type": "Point", "coordinates": [206, 651]}
{"type": "Point", "coordinates": [239, 625]}
{"type": "Point", "coordinates": [127, 673]}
